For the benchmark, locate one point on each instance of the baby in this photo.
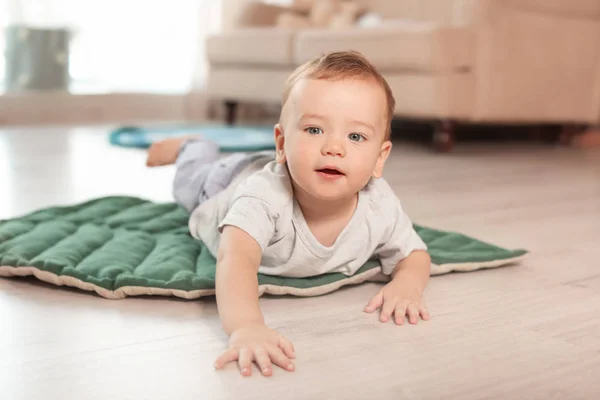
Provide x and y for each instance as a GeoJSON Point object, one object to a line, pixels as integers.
{"type": "Point", "coordinates": [316, 205]}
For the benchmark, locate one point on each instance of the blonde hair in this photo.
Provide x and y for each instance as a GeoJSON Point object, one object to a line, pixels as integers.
{"type": "Point", "coordinates": [338, 66]}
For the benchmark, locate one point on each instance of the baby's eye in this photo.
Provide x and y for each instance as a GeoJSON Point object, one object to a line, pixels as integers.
{"type": "Point", "coordinates": [313, 130]}
{"type": "Point", "coordinates": [356, 137]}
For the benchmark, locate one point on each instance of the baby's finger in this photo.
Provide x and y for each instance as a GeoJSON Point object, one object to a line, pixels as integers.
{"type": "Point", "coordinates": [245, 361]}
{"type": "Point", "coordinates": [264, 361]}
{"type": "Point", "coordinates": [375, 302]}
{"type": "Point", "coordinates": [280, 359]}
{"type": "Point", "coordinates": [399, 313]}
{"type": "Point", "coordinates": [287, 347]}
{"type": "Point", "coordinates": [424, 313]}
{"type": "Point", "coordinates": [228, 356]}
{"type": "Point", "coordinates": [413, 313]}
{"type": "Point", "coordinates": [387, 310]}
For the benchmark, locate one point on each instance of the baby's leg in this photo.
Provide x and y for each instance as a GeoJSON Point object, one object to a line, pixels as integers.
{"type": "Point", "coordinates": [166, 151]}
{"type": "Point", "coordinates": [194, 159]}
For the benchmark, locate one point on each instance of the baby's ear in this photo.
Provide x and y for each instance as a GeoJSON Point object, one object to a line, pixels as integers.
{"type": "Point", "coordinates": [279, 142]}
{"type": "Point", "coordinates": [384, 152]}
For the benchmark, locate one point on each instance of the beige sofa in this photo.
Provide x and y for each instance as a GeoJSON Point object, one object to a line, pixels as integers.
{"type": "Point", "coordinates": [465, 61]}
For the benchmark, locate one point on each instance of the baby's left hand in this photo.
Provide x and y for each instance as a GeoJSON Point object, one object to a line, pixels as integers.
{"type": "Point", "coordinates": [401, 298]}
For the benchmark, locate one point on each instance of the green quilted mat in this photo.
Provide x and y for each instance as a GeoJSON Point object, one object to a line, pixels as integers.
{"type": "Point", "coordinates": [125, 246]}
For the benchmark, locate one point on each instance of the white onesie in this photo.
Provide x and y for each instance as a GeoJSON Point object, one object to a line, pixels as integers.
{"type": "Point", "coordinates": [260, 202]}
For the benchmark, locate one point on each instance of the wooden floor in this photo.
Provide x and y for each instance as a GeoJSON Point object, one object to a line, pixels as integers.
{"type": "Point", "coordinates": [526, 332]}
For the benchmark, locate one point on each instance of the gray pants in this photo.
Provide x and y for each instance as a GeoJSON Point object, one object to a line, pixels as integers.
{"type": "Point", "coordinates": [201, 172]}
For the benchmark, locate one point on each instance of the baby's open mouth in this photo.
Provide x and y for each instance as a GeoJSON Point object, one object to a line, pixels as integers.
{"type": "Point", "coordinates": [330, 171]}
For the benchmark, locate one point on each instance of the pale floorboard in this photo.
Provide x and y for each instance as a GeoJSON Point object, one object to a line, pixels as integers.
{"type": "Point", "coordinates": [530, 331]}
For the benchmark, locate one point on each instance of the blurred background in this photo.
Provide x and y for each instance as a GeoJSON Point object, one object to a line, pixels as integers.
{"type": "Point", "coordinates": [500, 69]}
{"type": "Point", "coordinates": [107, 46]}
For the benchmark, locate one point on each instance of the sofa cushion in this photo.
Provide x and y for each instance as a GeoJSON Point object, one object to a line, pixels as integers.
{"type": "Point", "coordinates": [408, 9]}
{"type": "Point", "coordinates": [262, 46]}
{"type": "Point", "coordinates": [441, 11]}
{"type": "Point", "coordinates": [433, 96]}
{"type": "Point", "coordinates": [238, 82]}
{"type": "Point", "coordinates": [395, 45]}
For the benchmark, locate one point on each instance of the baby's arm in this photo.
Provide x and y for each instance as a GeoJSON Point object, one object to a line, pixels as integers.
{"type": "Point", "coordinates": [250, 339]}
{"type": "Point", "coordinates": [403, 295]}
{"type": "Point", "coordinates": [404, 257]}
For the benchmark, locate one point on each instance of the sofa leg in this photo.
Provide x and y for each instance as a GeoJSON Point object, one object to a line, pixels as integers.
{"type": "Point", "coordinates": [444, 136]}
{"type": "Point", "coordinates": [569, 132]}
{"type": "Point", "coordinates": [231, 108]}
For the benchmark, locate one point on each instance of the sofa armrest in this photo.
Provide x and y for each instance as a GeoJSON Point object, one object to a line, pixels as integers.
{"type": "Point", "coordinates": [584, 9]}
{"type": "Point", "coordinates": [536, 60]}
{"type": "Point", "coordinates": [468, 11]}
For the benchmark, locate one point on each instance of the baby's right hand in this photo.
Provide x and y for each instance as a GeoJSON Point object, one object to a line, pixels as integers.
{"type": "Point", "coordinates": [260, 344]}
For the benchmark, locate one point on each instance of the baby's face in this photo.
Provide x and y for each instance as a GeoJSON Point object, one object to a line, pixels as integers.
{"type": "Point", "coordinates": [332, 135]}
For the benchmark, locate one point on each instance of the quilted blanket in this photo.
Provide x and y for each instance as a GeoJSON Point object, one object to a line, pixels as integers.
{"type": "Point", "coordinates": [124, 246]}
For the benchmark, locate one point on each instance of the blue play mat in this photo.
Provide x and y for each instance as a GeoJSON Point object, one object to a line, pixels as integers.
{"type": "Point", "coordinates": [229, 138]}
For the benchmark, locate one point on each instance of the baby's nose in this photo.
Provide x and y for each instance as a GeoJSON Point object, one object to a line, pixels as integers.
{"type": "Point", "coordinates": [333, 147]}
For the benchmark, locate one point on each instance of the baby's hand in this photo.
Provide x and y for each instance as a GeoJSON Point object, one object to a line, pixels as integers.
{"type": "Point", "coordinates": [260, 344]}
{"type": "Point", "coordinates": [401, 298]}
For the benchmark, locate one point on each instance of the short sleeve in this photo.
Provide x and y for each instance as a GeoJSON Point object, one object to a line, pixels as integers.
{"type": "Point", "coordinates": [400, 240]}
{"type": "Point", "coordinates": [253, 216]}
